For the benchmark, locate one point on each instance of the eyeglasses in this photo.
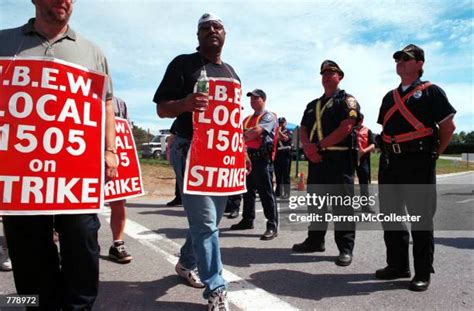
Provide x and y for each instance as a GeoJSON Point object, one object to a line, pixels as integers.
{"type": "Point", "coordinates": [405, 58]}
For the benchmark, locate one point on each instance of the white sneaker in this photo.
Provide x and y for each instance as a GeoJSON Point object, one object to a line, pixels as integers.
{"type": "Point", "coordinates": [191, 275]}
{"type": "Point", "coordinates": [6, 263]}
{"type": "Point", "coordinates": [218, 301]}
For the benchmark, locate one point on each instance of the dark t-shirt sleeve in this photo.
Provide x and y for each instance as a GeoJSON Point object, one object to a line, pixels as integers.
{"type": "Point", "coordinates": [308, 116]}
{"type": "Point", "coordinates": [172, 84]}
{"type": "Point", "coordinates": [383, 108]}
{"type": "Point", "coordinates": [350, 108]}
{"type": "Point", "coordinates": [440, 104]}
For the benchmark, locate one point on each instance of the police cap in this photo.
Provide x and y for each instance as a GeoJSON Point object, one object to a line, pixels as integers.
{"type": "Point", "coordinates": [258, 93]}
{"type": "Point", "coordinates": [412, 51]}
{"type": "Point", "coordinates": [329, 65]}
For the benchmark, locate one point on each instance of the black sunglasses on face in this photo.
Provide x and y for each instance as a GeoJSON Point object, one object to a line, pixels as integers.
{"type": "Point", "coordinates": [404, 57]}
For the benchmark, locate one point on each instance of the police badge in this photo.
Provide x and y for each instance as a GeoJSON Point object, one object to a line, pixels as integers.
{"type": "Point", "coordinates": [417, 94]}
{"type": "Point", "coordinates": [351, 102]}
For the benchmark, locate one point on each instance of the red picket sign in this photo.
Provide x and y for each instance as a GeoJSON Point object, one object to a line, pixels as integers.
{"type": "Point", "coordinates": [128, 183]}
{"type": "Point", "coordinates": [215, 164]}
{"type": "Point", "coordinates": [51, 137]}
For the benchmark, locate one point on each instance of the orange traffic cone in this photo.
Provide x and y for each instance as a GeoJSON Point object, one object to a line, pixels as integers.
{"type": "Point", "coordinates": [301, 182]}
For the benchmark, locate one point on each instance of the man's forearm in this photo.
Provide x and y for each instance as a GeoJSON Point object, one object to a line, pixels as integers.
{"type": "Point", "coordinates": [304, 135]}
{"type": "Point", "coordinates": [445, 133]}
{"type": "Point", "coordinates": [170, 108]}
{"type": "Point", "coordinates": [252, 133]}
{"type": "Point", "coordinates": [339, 134]}
{"type": "Point", "coordinates": [109, 126]}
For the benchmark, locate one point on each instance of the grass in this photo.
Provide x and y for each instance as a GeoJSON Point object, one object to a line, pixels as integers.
{"type": "Point", "coordinates": [162, 169]}
{"type": "Point", "coordinates": [442, 167]}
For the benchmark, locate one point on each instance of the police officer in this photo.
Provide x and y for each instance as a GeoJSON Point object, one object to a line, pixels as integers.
{"type": "Point", "coordinates": [326, 129]}
{"type": "Point", "coordinates": [283, 160]}
{"type": "Point", "coordinates": [417, 122]}
{"type": "Point", "coordinates": [259, 136]}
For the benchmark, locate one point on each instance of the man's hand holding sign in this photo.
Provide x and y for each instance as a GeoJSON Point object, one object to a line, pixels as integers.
{"type": "Point", "coordinates": [128, 182]}
{"type": "Point", "coordinates": [216, 161]}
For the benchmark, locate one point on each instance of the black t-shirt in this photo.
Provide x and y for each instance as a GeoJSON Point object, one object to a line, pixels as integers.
{"type": "Point", "coordinates": [344, 106]}
{"type": "Point", "coordinates": [430, 108]}
{"type": "Point", "coordinates": [179, 80]}
{"type": "Point", "coordinates": [173, 128]}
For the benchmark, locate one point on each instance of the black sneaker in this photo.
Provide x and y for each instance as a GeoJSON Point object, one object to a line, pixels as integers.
{"type": "Point", "coordinates": [119, 254]}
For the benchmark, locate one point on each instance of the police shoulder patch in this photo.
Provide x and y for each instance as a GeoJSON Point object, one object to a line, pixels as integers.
{"type": "Point", "coordinates": [267, 117]}
{"type": "Point", "coordinates": [351, 102]}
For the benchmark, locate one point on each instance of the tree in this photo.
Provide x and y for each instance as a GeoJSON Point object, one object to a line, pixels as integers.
{"type": "Point", "coordinates": [140, 135]}
{"type": "Point", "coordinates": [469, 139]}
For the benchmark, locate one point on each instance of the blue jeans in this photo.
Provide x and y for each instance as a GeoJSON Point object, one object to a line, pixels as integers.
{"type": "Point", "coordinates": [204, 213]}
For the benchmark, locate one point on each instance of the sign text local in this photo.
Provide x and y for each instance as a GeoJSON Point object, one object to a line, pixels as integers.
{"type": "Point", "coordinates": [216, 160]}
{"type": "Point", "coordinates": [51, 137]}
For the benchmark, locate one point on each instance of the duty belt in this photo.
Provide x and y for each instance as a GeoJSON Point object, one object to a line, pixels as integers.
{"type": "Point", "coordinates": [414, 146]}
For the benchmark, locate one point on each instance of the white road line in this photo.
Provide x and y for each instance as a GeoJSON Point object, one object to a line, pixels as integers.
{"type": "Point", "coordinates": [465, 201]}
{"type": "Point", "coordinates": [242, 293]}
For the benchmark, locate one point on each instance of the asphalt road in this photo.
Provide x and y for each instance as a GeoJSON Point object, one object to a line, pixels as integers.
{"type": "Point", "coordinates": [266, 275]}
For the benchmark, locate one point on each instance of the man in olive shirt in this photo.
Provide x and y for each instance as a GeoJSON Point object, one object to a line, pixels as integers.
{"type": "Point", "coordinates": [72, 283]}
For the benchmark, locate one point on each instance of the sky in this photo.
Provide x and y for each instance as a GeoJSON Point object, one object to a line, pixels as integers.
{"type": "Point", "coordinates": [278, 46]}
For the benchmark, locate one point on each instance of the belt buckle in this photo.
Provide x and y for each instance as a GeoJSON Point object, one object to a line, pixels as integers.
{"type": "Point", "coordinates": [396, 148]}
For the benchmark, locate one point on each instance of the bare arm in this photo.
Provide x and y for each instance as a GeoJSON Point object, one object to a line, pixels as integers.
{"type": "Point", "coordinates": [369, 148]}
{"type": "Point", "coordinates": [309, 148]}
{"type": "Point", "coordinates": [173, 108]}
{"type": "Point", "coordinates": [446, 130]}
{"type": "Point", "coordinates": [339, 134]}
{"type": "Point", "coordinates": [253, 133]}
{"type": "Point", "coordinates": [110, 149]}
{"type": "Point", "coordinates": [282, 136]}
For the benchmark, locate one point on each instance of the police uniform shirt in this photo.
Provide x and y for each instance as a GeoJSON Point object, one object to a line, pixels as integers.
{"type": "Point", "coordinates": [343, 106]}
{"type": "Point", "coordinates": [179, 80]}
{"type": "Point", "coordinates": [268, 123]}
{"type": "Point", "coordinates": [430, 107]}
{"type": "Point", "coordinates": [25, 41]}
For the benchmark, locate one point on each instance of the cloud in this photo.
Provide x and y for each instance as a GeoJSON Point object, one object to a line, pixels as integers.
{"type": "Point", "coordinates": [278, 46]}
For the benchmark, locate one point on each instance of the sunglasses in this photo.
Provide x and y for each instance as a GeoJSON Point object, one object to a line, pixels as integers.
{"type": "Point", "coordinates": [405, 58]}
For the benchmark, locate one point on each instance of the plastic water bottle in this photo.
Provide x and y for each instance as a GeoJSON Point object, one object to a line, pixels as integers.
{"type": "Point", "coordinates": [203, 83]}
